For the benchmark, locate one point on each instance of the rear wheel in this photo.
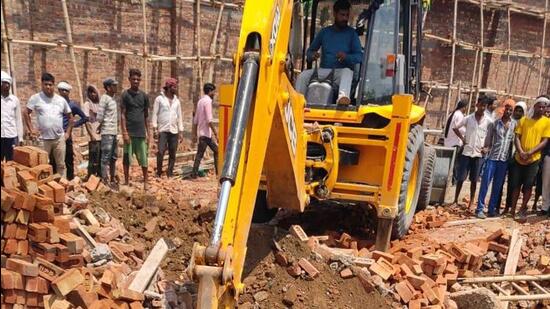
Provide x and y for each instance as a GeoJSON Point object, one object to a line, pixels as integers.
{"type": "Point", "coordinates": [427, 179]}
{"type": "Point", "coordinates": [262, 213]}
{"type": "Point", "coordinates": [411, 182]}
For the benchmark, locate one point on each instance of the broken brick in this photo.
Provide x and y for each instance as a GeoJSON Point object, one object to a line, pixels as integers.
{"type": "Point", "coordinates": [298, 232]}
{"type": "Point", "coordinates": [308, 268]}
{"type": "Point", "coordinates": [23, 267]}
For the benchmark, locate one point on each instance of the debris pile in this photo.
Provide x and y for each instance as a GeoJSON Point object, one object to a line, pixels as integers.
{"type": "Point", "coordinates": [57, 254]}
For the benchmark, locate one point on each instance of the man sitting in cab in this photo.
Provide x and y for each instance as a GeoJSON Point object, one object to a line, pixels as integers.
{"type": "Point", "coordinates": [340, 51]}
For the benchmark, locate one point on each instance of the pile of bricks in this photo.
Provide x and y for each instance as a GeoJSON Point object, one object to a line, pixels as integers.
{"type": "Point", "coordinates": [49, 258]}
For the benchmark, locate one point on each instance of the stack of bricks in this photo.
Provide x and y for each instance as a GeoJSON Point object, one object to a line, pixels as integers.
{"type": "Point", "coordinates": [43, 257]}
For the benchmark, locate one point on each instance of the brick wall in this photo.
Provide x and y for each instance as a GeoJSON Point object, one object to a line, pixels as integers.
{"type": "Point", "coordinates": [118, 25]}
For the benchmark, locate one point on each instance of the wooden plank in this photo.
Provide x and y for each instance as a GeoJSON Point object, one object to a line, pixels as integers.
{"type": "Point", "coordinates": [82, 231]}
{"type": "Point", "coordinates": [513, 258]}
{"type": "Point", "coordinates": [468, 221]}
{"type": "Point", "coordinates": [149, 267]}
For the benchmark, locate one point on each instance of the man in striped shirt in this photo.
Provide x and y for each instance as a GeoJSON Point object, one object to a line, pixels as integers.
{"type": "Point", "coordinates": [107, 117]}
{"type": "Point", "coordinates": [499, 141]}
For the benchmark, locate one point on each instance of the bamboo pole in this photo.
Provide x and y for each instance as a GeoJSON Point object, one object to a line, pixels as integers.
{"type": "Point", "coordinates": [509, 32]}
{"type": "Point", "coordinates": [71, 50]}
{"type": "Point", "coordinates": [453, 54]}
{"type": "Point", "coordinates": [482, 39]}
{"type": "Point", "coordinates": [145, 56]}
{"type": "Point", "coordinates": [444, 86]}
{"type": "Point", "coordinates": [505, 278]}
{"type": "Point", "coordinates": [198, 41]}
{"type": "Point", "coordinates": [523, 297]}
{"type": "Point", "coordinates": [516, 8]}
{"type": "Point", "coordinates": [6, 45]}
{"type": "Point", "coordinates": [542, 46]}
{"type": "Point", "coordinates": [473, 80]}
{"type": "Point", "coordinates": [214, 43]}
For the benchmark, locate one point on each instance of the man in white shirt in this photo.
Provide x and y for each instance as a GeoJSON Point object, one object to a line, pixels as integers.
{"type": "Point", "coordinates": [50, 108]}
{"type": "Point", "coordinates": [167, 124]}
{"type": "Point", "coordinates": [451, 139]}
{"type": "Point", "coordinates": [471, 159]}
{"type": "Point", "coordinates": [492, 104]}
{"type": "Point", "coordinates": [12, 125]}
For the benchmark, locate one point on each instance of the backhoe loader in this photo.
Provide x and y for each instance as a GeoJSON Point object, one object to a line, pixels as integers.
{"type": "Point", "coordinates": [279, 151]}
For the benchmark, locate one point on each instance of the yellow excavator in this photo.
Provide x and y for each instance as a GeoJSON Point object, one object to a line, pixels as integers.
{"type": "Point", "coordinates": [281, 151]}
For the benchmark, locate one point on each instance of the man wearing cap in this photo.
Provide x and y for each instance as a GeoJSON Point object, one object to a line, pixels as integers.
{"type": "Point", "coordinates": [499, 141]}
{"type": "Point", "coordinates": [107, 118]}
{"type": "Point", "coordinates": [64, 89]}
{"type": "Point", "coordinates": [12, 123]}
{"type": "Point", "coordinates": [134, 110]}
{"type": "Point", "coordinates": [532, 134]}
{"type": "Point", "coordinates": [167, 122]}
{"type": "Point", "coordinates": [50, 109]}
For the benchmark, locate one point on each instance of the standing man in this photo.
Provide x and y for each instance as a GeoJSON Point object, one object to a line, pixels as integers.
{"type": "Point", "coordinates": [546, 173]}
{"type": "Point", "coordinates": [451, 139]}
{"type": "Point", "coordinates": [532, 134]}
{"type": "Point", "coordinates": [135, 126]}
{"type": "Point", "coordinates": [64, 89]}
{"type": "Point", "coordinates": [205, 128]}
{"type": "Point", "coordinates": [50, 109]}
{"type": "Point", "coordinates": [492, 104]}
{"type": "Point", "coordinates": [107, 119]}
{"type": "Point", "coordinates": [471, 158]}
{"type": "Point", "coordinates": [499, 141]}
{"type": "Point", "coordinates": [90, 109]}
{"type": "Point", "coordinates": [168, 121]}
{"type": "Point", "coordinates": [12, 124]}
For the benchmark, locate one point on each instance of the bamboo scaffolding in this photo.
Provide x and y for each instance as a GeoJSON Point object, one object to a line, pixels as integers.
{"type": "Point", "coordinates": [509, 34]}
{"type": "Point", "coordinates": [514, 7]}
{"type": "Point", "coordinates": [145, 66]}
{"type": "Point", "coordinates": [473, 80]}
{"type": "Point", "coordinates": [71, 50]}
{"type": "Point", "coordinates": [482, 41]}
{"type": "Point", "coordinates": [542, 45]}
{"type": "Point", "coordinates": [505, 278]}
{"type": "Point", "coordinates": [453, 54]}
{"type": "Point", "coordinates": [214, 43]}
{"type": "Point", "coordinates": [443, 86]}
{"type": "Point", "coordinates": [198, 43]}
{"type": "Point", "coordinates": [8, 50]}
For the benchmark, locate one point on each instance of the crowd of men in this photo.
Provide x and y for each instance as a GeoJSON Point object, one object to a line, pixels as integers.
{"type": "Point", "coordinates": [502, 139]}
{"type": "Point", "coordinates": [105, 117]}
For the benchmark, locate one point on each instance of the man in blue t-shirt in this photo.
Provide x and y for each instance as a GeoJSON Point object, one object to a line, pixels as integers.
{"type": "Point", "coordinates": [340, 50]}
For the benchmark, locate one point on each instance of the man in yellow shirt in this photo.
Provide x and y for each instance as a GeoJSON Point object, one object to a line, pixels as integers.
{"type": "Point", "coordinates": [532, 134]}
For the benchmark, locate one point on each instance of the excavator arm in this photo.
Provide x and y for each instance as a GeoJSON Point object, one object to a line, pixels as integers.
{"type": "Point", "coordinates": [265, 134]}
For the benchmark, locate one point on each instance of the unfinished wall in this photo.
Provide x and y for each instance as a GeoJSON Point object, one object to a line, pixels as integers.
{"type": "Point", "coordinates": [117, 25]}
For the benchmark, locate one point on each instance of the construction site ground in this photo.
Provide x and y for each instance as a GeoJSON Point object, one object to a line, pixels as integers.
{"type": "Point", "coordinates": [183, 211]}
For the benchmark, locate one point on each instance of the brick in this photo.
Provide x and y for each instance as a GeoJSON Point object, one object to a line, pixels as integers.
{"type": "Point", "coordinates": [494, 246]}
{"type": "Point", "coordinates": [44, 250]}
{"type": "Point", "coordinates": [23, 200]}
{"type": "Point", "coordinates": [22, 267]}
{"type": "Point", "coordinates": [9, 216]}
{"type": "Point", "coordinates": [46, 190]}
{"type": "Point", "coordinates": [430, 294]}
{"type": "Point", "coordinates": [346, 273]}
{"type": "Point", "coordinates": [404, 292]}
{"type": "Point", "coordinates": [58, 192]}
{"type": "Point", "coordinates": [47, 270]}
{"type": "Point", "coordinates": [11, 280]}
{"type": "Point", "coordinates": [62, 223]}
{"type": "Point", "coordinates": [73, 261]}
{"type": "Point", "coordinates": [27, 182]}
{"type": "Point", "coordinates": [52, 233]}
{"type": "Point", "coordinates": [9, 230]}
{"type": "Point", "coordinates": [34, 300]}
{"type": "Point", "coordinates": [127, 295]}
{"type": "Point", "coordinates": [36, 285]}
{"type": "Point", "coordinates": [9, 296]}
{"type": "Point", "coordinates": [10, 247]}
{"type": "Point", "coordinates": [43, 157]}
{"type": "Point", "coordinates": [433, 259]}
{"type": "Point", "coordinates": [74, 243]}
{"type": "Point", "coordinates": [21, 231]}
{"type": "Point", "coordinates": [22, 216]}
{"type": "Point", "coordinates": [378, 254]}
{"type": "Point", "coordinates": [43, 215]}
{"type": "Point", "coordinates": [406, 270]}
{"type": "Point", "coordinates": [381, 270]}
{"type": "Point", "coordinates": [136, 305]}
{"type": "Point", "coordinates": [298, 232]}
{"type": "Point", "coordinates": [107, 234]}
{"type": "Point", "coordinates": [416, 281]}
{"type": "Point", "coordinates": [67, 282]}
{"type": "Point", "coordinates": [80, 297]}
{"type": "Point", "coordinates": [308, 268]}
{"type": "Point", "coordinates": [26, 156]}
{"type": "Point", "coordinates": [7, 200]}
{"type": "Point", "coordinates": [415, 253]}
{"type": "Point", "coordinates": [38, 232]}
{"type": "Point", "coordinates": [42, 172]}
{"type": "Point", "coordinates": [92, 183]}
{"type": "Point", "coordinates": [495, 235]}
{"type": "Point", "coordinates": [458, 253]}
{"type": "Point", "coordinates": [22, 247]}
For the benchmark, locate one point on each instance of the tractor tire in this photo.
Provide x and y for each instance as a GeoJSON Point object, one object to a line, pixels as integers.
{"type": "Point", "coordinates": [411, 182]}
{"type": "Point", "coordinates": [427, 178]}
{"type": "Point", "coordinates": [262, 213]}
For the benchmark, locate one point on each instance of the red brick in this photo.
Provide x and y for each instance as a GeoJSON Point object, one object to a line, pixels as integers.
{"type": "Point", "coordinates": [309, 269]}
{"type": "Point", "coordinates": [67, 282]}
{"type": "Point", "coordinates": [46, 191]}
{"type": "Point", "coordinates": [58, 192]}
{"type": "Point", "coordinates": [416, 281]}
{"type": "Point", "coordinates": [47, 270]}
{"type": "Point", "coordinates": [26, 156]}
{"type": "Point", "coordinates": [495, 235]}
{"type": "Point", "coordinates": [7, 200]}
{"type": "Point", "coordinates": [346, 273]}
{"type": "Point", "coordinates": [92, 183]}
{"type": "Point", "coordinates": [23, 200]}
{"type": "Point", "coordinates": [298, 232]}
{"type": "Point", "coordinates": [80, 297]}
{"type": "Point", "coordinates": [27, 181]}
{"type": "Point", "coordinates": [62, 223]}
{"type": "Point", "coordinates": [21, 231]}
{"type": "Point", "coordinates": [10, 247]}
{"type": "Point", "coordinates": [404, 292]}
{"type": "Point", "coordinates": [36, 285]}
{"type": "Point", "coordinates": [22, 267]}
{"type": "Point", "coordinates": [42, 155]}
{"type": "Point", "coordinates": [41, 172]}
{"type": "Point", "coordinates": [9, 230]}
{"type": "Point", "coordinates": [107, 234]}
{"type": "Point", "coordinates": [23, 216]}
{"type": "Point", "coordinates": [38, 232]}
{"type": "Point", "coordinates": [494, 246]}
{"type": "Point", "coordinates": [23, 247]}
{"type": "Point", "coordinates": [378, 254]}
{"type": "Point", "coordinates": [75, 244]}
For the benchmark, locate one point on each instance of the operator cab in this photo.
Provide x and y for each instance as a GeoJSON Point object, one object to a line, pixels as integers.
{"type": "Point", "coordinates": [390, 53]}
